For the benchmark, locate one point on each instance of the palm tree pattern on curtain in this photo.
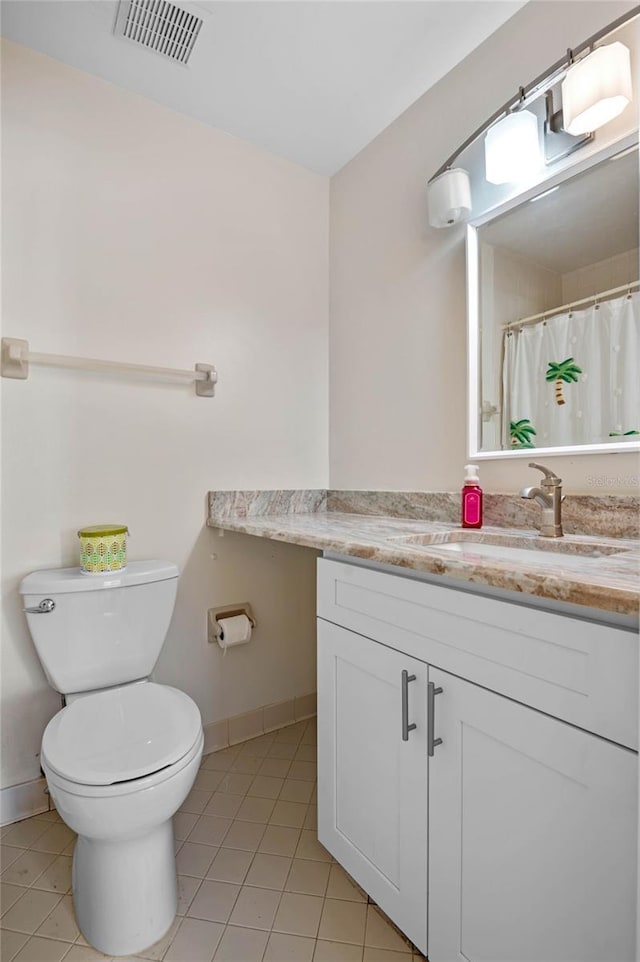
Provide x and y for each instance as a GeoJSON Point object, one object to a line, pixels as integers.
{"type": "Point", "coordinates": [602, 402]}
{"type": "Point", "coordinates": [566, 371]}
{"type": "Point", "coordinates": [521, 433]}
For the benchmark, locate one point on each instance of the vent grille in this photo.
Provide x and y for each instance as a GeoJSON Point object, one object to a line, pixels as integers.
{"type": "Point", "coordinates": [159, 26]}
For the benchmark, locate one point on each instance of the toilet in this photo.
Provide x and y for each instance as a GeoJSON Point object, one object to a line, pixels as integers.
{"type": "Point", "coordinates": [122, 755]}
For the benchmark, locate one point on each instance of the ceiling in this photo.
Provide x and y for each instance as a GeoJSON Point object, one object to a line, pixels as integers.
{"type": "Point", "coordinates": [589, 218]}
{"type": "Point", "coordinates": [310, 80]}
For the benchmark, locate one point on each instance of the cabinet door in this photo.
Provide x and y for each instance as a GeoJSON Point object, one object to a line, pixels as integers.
{"type": "Point", "coordinates": [372, 784]}
{"type": "Point", "coordinates": [532, 835]}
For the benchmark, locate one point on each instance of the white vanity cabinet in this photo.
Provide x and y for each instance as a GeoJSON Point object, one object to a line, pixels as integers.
{"type": "Point", "coordinates": [528, 804]}
{"type": "Point", "coordinates": [532, 843]}
{"type": "Point", "coordinates": [372, 789]}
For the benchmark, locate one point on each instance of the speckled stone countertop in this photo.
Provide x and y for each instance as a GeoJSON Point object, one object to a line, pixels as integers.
{"type": "Point", "coordinates": [581, 569]}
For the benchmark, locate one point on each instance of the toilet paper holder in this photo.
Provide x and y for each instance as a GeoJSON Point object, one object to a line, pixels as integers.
{"type": "Point", "coordinates": [214, 629]}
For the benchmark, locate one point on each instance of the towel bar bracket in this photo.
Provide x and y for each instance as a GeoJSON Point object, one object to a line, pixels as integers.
{"type": "Point", "coordinates": [207, 386]}
{"type": "Point", "coordinates": [15, 353]}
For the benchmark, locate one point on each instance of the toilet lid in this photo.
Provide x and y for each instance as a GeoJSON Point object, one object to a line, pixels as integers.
{"type": "Point", "coordinates": [121, 734]}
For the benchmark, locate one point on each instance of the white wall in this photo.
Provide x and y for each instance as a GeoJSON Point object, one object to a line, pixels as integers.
{"type": "Point", "coordinates": [397, 334]}
{"type": "Point", "coordinates": [601, 276]}
{"type": "Point", "coordinates": [133, 233]}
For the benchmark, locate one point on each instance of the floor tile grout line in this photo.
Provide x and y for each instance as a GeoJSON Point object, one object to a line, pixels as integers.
{"type": "Point", "coordinates": [31, 934]}
{"type": "Point", "coordinates": [38, 877]}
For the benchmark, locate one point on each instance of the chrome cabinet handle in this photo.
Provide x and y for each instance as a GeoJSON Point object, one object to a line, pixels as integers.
{"type": "Point", "coordinates": [406, 727]}
{"type": "Point", "coordinates": [432, 691]}
{"type": "Point", "coordinates": [45, 606]}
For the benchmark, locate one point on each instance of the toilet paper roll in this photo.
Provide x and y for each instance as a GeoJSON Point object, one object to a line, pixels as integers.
{"type": "Point", "coordinates": [234, 631]}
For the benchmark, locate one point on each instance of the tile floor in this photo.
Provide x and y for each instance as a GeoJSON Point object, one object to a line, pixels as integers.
{"type": "Point", "coordinates": [254, 882]}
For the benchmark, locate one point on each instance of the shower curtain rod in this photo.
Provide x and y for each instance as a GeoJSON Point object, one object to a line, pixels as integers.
{"type": "Point", "coordinates": [544, 315]}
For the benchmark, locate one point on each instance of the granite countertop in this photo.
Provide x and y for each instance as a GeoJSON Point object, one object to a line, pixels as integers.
{"type": "Point", "coordinates": [607, 577]}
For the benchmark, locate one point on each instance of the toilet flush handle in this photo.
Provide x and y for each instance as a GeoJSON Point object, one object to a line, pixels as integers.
{"type": "Point", "coordinates": [45, 606]}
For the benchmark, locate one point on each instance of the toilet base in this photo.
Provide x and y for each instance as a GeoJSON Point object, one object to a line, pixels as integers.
{"type": "Point", "coordinates": [125, 891]}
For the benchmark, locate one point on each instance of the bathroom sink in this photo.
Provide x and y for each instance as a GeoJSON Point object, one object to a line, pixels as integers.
{"type": "Point", "coordinates": [470, 551]}
{"type": "Point", "coordinates": [471, 545]}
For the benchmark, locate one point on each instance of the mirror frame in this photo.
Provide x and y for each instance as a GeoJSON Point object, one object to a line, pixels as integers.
{"type": "Point", "coordinates": [474, 357]}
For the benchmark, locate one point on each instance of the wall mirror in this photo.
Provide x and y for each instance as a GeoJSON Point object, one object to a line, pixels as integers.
{"type": "Point", "coordinates": [554, 315]}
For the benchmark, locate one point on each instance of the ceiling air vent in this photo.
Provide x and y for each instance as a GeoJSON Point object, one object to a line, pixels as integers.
{"type": "Point", "coordinates": [159, 26]}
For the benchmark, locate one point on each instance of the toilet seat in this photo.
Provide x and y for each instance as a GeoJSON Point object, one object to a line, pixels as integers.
{"type": "Point", "coordinates": [121, 735]}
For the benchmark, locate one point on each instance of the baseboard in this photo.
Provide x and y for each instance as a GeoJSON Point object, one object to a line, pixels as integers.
{"type": "Point", "coordinates": [240, 728]}
{"type": "Point", "coordinates": [21, 801]}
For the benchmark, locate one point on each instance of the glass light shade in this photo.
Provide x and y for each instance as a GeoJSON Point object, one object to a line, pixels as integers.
{"type": "Point", "coordinates": [512, 148]}
{"type": "Point", "coordinates": [449, 198]}
{"type": "Point", "coordinates": [596, 89]}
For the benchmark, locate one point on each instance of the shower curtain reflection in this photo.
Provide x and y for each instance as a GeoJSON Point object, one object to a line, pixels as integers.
{"type": "Point", "coordinates": [573, 378]}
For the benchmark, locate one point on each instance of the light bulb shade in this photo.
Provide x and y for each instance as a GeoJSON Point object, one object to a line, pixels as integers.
{"type": "Point", "coordinates": [596, 89]}
{"type": "Point", "coordinates": [512, 148]}
{"type": "Point", "coordinates": [449, 198]}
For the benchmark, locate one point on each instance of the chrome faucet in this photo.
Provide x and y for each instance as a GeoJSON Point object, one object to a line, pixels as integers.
{"type": "Point", "coordinates": [549, 497]}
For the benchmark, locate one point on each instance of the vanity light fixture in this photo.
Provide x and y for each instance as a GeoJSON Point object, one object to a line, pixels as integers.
{"type": "Point", "coordinates": [597, 88]}
{"type": "Point", "coordinates": [512, 148]}
{"type": "Point", "coordinates": [449, 198]}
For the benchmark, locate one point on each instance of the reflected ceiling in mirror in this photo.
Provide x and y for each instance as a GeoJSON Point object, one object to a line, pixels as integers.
{"type": "Point", "coordinates": [554, 315]}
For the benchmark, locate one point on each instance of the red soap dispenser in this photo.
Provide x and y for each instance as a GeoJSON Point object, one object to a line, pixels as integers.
{"type": "Point", "coordinates": [471, 498]}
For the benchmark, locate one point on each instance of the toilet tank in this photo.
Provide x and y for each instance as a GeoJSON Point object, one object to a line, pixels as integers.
{"type": "Point", "coordinates": [105, 629]}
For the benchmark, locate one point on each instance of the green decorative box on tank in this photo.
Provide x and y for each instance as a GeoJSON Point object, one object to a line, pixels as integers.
{"type": "Point", "coordinates": [103, 547]}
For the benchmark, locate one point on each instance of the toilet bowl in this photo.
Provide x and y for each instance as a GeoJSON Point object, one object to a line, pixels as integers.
{"type": "Point", "coordinates": [122, 755]}
{"type": "Point", "coordinates": [118, 765]}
